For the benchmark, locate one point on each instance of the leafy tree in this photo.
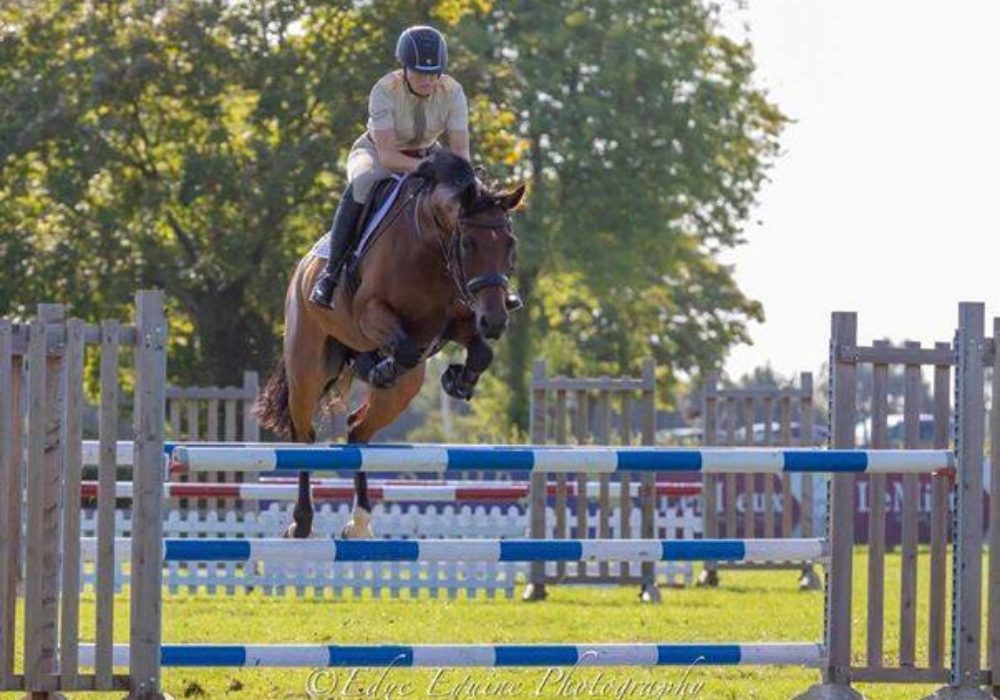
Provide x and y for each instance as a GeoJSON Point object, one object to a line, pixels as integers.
{"type": "Point", "coordinates": [646, 144]}
{"type": "Point", "coordinates": [195, 145]}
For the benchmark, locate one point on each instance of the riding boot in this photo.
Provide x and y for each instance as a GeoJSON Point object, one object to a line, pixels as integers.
{"type": "Point", "coordinates": [343, 236]}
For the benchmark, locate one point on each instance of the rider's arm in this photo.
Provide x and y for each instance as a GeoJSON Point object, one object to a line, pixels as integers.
{"type": "Point", "coordinates": [389, 156]}
{"type": "Point", "coordinates": [458, 124]}
{"type": "Point", "coordinates": [458, 142]}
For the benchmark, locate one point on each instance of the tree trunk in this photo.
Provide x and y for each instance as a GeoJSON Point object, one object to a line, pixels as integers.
{"type": "Point", "coordinates": [229, 336]}
{"type": "Point", "coordinates": [520, 348]}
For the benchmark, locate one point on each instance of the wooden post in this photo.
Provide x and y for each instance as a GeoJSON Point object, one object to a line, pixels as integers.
{"type": "Point", "coordinates": [709, 495]}
{"type": "Point", "coordinates": [535, 590]}
{"type": "Point", "coordinates": [876, 516]}
{"type": "Point", "coordinates": [787, 500]}
{"type": "Point", "coordinates": [749, 478]}
{"type": "Point", "coordinates": [940, 490]}
{"type": "Point", "coordinates": [106, 476]}
{"type": "Point", "coordinates": [251, 385]}
{"type": "Point", "coordinates": [836, 683]}
{"type": "Point", "coordinates": [810, 579]}
{"type": "Point", "coordinates": [993, 620]}
{"type": "Point", "coordinates": [732, 493]}
{"type": "Point", "coordinates": [9, 501]}
{"type": "Point", "coordinates": [768, 406]}
{"type": "Point", "coordinates": [45, 461]}
{"type": "Point", "coordinates": [968, 534]}
{"type": "Point", "coordinates": [147, 525]}
{"type": "Point", "coordinates": [911, 495]}
{"type": "Point", "coordinates": [806, 440]}
{"type": "Point", "coordinates": [650, 592]}
{"type": "Point", "coordinates": [70, 621]}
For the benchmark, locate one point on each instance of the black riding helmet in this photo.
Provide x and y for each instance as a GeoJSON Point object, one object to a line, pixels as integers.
{"type": "Point", "coordinates": [422, 49]}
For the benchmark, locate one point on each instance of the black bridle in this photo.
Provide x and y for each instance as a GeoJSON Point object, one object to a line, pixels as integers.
{"type": "Point", "coordinates": [452, 255]}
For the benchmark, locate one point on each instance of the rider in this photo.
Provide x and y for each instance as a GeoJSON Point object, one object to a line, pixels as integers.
{"type": "Point", "coordinates": [408, 110]}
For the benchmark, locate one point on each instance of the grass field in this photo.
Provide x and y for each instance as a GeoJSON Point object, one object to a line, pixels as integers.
{"type": "Point", "coordinates": [749, 607]}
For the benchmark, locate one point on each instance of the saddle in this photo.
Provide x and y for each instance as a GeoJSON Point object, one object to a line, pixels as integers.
{"type": "Point", "coordinates": [379, 194]}
{"type": "Point", "coordinates": [382, 200]}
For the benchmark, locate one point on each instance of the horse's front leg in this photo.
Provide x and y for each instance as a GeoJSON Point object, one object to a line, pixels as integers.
{"type": "Point", "coordinates": [400, 351]}
{"type": "Point", "coordinates": [460, 381]}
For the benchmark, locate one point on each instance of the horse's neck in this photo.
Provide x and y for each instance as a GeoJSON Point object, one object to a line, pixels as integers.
{"type": "Point", "coordinates": [408, 240]}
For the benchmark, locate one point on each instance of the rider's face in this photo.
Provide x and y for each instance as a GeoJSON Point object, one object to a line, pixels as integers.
{"type": "Point", "coordinates": [422, 83]}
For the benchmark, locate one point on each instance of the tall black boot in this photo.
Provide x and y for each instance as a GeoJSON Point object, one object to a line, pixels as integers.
{"type": "Point", "coordinates": [343, 235]}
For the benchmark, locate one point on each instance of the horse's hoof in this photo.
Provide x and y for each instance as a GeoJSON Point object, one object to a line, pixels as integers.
{"type": "Point", "coordinates": [355, 531]}
{"type": "Point", "coordinates": [383, 375]}
{"type": "Point", "coordinates": [292, 532]}
{"type": "Point", "coordinates": [359, 527]}
{"type": "Point", "coordinates": [454, 385]}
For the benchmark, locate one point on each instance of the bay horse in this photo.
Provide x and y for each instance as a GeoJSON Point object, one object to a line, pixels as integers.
{"type": "Point", "coordinates": [437, 270]}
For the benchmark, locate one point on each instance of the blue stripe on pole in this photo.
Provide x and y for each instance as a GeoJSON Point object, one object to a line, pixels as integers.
{"type": "Point", "coordinates": [204, 656]}
{"type": "Point", "coordinates": [825, 461]}
{"type": "Point", "coordinates": [206, 550]}
{"type": "Point", "coordinates": [470, 458]}
{"type": "Point", "coordinates": [377, 656]}
{"type": "Point", "coordinates": [659, 460]}
{"type": "Point", "coordinates": [334, 458]}
{"type": "Point", "coordinates": [536, 655]}
{"type": "Point", "coordinates": [541, 550]}
{"type": "Point", "coordinates": [703, 550]}
{"type": "Point", "coordinates": [377, 550]}
{"type": "Point", "coordinates": [687, 654]}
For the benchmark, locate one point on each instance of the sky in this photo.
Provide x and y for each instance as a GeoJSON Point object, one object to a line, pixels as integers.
{"type": "Point", "coordinates": [885, 198]}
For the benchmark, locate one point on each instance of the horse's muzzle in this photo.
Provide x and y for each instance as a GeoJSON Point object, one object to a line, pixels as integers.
{"type": "Point", "coordinates": [492, 326]}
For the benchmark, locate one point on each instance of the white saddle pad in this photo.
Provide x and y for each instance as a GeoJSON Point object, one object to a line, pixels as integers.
{"type": "Point", "coordinates": [321, 249]}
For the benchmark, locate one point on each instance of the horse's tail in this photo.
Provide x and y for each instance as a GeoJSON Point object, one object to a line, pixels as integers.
{"type": "Point", "coordinates": [271, 407]}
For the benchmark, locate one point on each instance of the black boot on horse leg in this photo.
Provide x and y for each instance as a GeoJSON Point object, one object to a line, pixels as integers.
{"type": "Point", "coordinates": [459, 381]}
{"type": "Point", "coordinates": [402, 355]}
{"type": "Point", "coordinates": [343, 236]}
{"type": "Point", "coordinates": [302, 515]}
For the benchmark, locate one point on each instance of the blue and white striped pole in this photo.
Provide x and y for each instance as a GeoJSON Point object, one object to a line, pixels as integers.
{"type": "Point", "coordinates": [474, 655]}
{"type": "Point", "coordinates": [471, 550]}
{"type": "Point", "coordinates": [593, 460]}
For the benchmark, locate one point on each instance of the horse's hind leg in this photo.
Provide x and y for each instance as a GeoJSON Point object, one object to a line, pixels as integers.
{"type": "Point", "coordinates": [307, 379]}
{"type": "Point", "coordinates": [381, 407]}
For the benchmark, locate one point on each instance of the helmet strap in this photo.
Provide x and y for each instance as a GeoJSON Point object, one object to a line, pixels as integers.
{"type": "Point", "coordinates": [406, 79]}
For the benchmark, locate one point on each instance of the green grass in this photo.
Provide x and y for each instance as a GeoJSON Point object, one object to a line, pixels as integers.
{"type": "Point", "coordinates": [749, 607]}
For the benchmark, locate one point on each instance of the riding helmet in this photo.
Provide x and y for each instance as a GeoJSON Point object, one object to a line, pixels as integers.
{"type": "Point", "coordinates": [422, 49]}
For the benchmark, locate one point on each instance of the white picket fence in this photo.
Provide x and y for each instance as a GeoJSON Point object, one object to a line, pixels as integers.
{"type": "Point", "coordinates": [678, 520]}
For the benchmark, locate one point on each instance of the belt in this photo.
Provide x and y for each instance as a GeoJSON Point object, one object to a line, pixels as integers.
{"type": "Point", "coordinates": [412, 152]}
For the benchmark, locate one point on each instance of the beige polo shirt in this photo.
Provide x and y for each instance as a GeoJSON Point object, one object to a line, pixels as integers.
{"type": "Point", "coordinates": [391, 105]}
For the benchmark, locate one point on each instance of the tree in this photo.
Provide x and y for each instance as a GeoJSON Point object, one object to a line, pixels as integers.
{"type": "Point", "coordinates": [195, 145]}
{"type": "Point", "coordinates": [646, 145]}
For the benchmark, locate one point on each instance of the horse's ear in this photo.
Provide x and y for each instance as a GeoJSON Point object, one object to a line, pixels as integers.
{"type": "Point", "coordinates": [510, 200]}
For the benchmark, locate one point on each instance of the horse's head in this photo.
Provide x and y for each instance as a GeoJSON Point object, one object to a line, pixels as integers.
{"type": "Point", "coordinates": [477, 237]}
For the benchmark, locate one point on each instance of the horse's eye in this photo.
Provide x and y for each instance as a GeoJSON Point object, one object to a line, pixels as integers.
{"type": "Point", "coordinates": [468, 244]}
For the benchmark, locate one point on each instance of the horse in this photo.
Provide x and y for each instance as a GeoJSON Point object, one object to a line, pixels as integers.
{"type": "Point", "coordinates": [437, 270]}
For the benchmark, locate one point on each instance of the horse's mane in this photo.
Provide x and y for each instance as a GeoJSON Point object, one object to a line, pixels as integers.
{"type": "Point", "coordinates": [446, 168]}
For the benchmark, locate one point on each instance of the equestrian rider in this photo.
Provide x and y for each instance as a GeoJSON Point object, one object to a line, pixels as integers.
{"type": "Point", "coordinates": [408, 110]}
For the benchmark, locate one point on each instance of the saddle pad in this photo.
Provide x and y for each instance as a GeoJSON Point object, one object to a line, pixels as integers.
{"type": "Point", "coordinates": [321, 249]}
